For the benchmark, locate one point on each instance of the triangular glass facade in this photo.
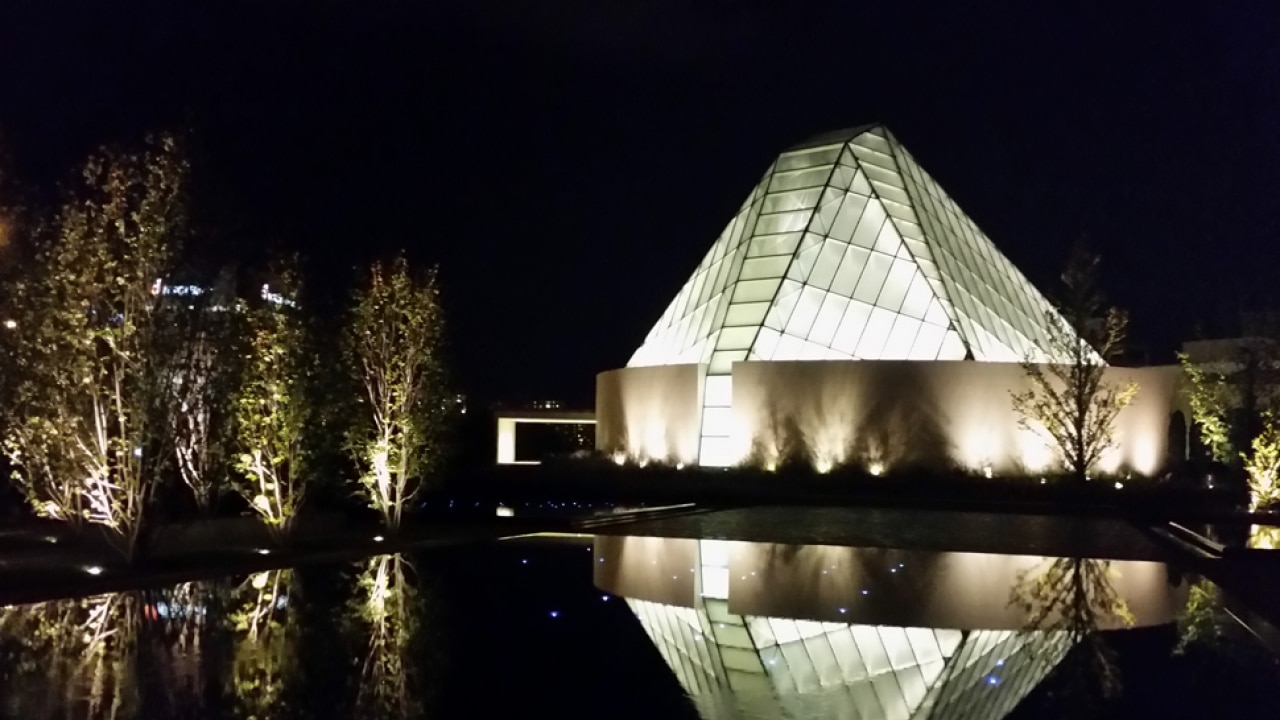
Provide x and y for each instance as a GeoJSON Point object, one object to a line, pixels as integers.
{"type": "Point", "coordinates": [847, 250]}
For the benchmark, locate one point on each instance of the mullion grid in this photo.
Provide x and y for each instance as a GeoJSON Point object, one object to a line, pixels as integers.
{"type": "Point", "coordinates": [751, 222]}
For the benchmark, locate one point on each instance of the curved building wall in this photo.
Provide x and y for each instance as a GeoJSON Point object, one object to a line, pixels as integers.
{"type": "Point", "coordinates": [879, 414]}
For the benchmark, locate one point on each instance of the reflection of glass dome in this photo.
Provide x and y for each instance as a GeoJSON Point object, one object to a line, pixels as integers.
{"type": "Point", "coordinates": [801, 668]}
{"type": "Point", "coordinates": [742, 658]}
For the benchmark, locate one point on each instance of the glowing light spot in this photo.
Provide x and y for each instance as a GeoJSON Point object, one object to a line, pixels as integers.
{"type": "Point", "coordinates": [505, 512]}
{"type": "Point", "coordinates": [876, 468]}
{"type": "Point", "coordinates": [1119, 485]}
{"type": "Point", "coordinates": [263, 551]}
{"type": "Point", "coordinates": [822, 466]}
{"type": "Point", "coordinates": [554, 613]}
{"type": "Point", "coordinates": [986, 472]}
{"type": "Point", "coordinates": [620, 458]}
{"type": "Point", "coordinates": [10, 324]}
{"type": "Point", "coordinates": [93, 570]}
{"type": "Point", "coordinates": [378, 538]}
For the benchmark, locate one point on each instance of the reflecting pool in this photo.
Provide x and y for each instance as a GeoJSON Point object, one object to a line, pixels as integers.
{"type": "Point", "coordinates": [626, 626]}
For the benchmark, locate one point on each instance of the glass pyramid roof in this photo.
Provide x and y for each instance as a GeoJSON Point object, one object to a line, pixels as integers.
{"type": "Point", "coordinates": [846, 249]}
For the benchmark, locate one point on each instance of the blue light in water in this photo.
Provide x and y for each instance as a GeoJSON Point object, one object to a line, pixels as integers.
{"type": "Point", "coordinates": [604, 598]}
{"type": "Point", "coordinates": [554, 613]}
{"type": "Point", "coordinates": [524, 562]}
{"type": "Point", "coordinates": [993, 680]}
{"type": "Point", "coordinates": [843, 610]}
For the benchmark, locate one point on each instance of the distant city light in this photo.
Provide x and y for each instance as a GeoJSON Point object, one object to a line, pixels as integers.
{"type": "Point", "coordinates": [505, 512]}
{"type": "Point", "coordinates": [10, 324]}
{"type": "Point", "coordinates": [377, 538]}
{"type": "Point", "coordinates": [263, 551]}
{"type": "Point", "coordinates": [93, 570]}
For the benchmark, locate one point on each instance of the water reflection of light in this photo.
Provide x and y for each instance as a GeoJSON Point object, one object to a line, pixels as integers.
{"type": "Point", "coordinates": [779, 614]}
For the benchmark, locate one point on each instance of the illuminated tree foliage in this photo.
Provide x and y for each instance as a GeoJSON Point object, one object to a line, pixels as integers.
{"type": "Point", "coordinates": [1071, 402]}
{"type": "Point", "coordinates": [197, 365]}
{"type": "Point", "coordinates": [265, 639]}
{"type": "Point", "coordinates": [82, 653]}
{"type": "Point", "coordinates": [1234, 408]}
{"type": "Point", "coordinates": [271, 407]}
{"type": "Point", "coordinates": [1212, 399]}
{"type": "Point", "coordinates": [1262, 465]}
{"type": "Point", "coordinates": [80, 434]}
{"type": "Point", "coordinates": [1076, 597]}
{"type": "Point", "coordinates": [393, 350]}
{"type": "Point", "coordinates": [385, 604]}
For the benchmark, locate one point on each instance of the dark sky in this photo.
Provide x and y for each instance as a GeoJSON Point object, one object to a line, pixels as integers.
{"type": "Point", "coordinates": [568, 162]}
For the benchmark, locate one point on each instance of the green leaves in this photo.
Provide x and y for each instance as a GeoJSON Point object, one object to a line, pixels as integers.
{"type": "Point", "coordinates": [393, 350]}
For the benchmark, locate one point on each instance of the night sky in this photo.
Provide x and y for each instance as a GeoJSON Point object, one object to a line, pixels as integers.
{"type": "Point", "coordinates": [568, 162]}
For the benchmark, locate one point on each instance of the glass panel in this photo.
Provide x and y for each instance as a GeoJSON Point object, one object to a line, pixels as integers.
{"type": "Point", "coordinates": [809, 157]}
{"type": "Point", "coordinates": [919, 295]}
{"type": "Point", "coordinates": [736, 338]}
{"type": "Point", "coordinates": [895, 285]}
{"type": "Point", "coordinates": [868, 226]}
{"type": "Point", "coordinates": [805, 312]}
{"type": "Point", "coordinates": [851, 267]}
{"type": "Point", "coordinates": [871, 346]}
{"type": "Point", "coordinates": [784, 244]}
{"type": "Point", "coordinates": [860, 184]}
{"type": "Point", "coordinates": [796, 179]}
{"type": "Point", "coordinates": [717, 421]}
{"type": "Point", "coordinates": [721, 362]}
{"type": "Point", "coordinates": [782, 307]}
{"type": "Point", "coordinates": [767, 341]}
{"type": "Point", "coordinates": [792, 200]}
{"type": "Point", "coordinates": [746, 314]}
{"type": "Point", "coordinates": [888, 241]}
{"type": "Point", "coordinates": [789, 347]}
{"type": "Point", "coordinates": [927, 343]}
{"type": "Point", "coordinates": [755, 290]}
{"type": "Point", "coordinates": [783, 222]}
{"type": "Point", "coordinates": [828, 320]}
{"type": "Point", "coordinates": [872, 278]}
{"type": "Point", "coordinates": [851, 327]}
{"type": "Point", "coordinates": [718, 391]}
{"type": "Point", "coordinates": [901, 338]}
{"type": "Point", "coordinates": [847, 217]}
{"type": "Point", "coordinates": [829, 258]}
{"type": "Point", "coordinates": [952, 347]}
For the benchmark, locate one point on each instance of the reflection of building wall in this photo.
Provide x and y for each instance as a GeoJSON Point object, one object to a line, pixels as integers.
{"type": "Point", "coordinates": [650, 413]}
{"type": "Point", "coordinates": [925, 414]}
{"type": "Point", "coordinates": [876, 586]}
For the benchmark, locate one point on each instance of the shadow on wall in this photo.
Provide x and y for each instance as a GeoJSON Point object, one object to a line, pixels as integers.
{"type": "Point", "coordinates": [892, 420]}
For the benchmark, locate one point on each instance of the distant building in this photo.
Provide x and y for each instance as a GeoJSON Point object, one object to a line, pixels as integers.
{"type": "Point", "coordinates": [851, 312]}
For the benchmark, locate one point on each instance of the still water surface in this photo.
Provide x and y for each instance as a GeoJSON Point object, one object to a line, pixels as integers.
{"type": "Point", "coordinates": [643, 627]}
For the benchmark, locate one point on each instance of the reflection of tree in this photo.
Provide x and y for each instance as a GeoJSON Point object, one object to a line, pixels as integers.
{"type": "Point", "coordinates": [387, 605]}
{"type": "Point", "coordinates": [265, 634]}
{"type": "Point", "coordinates": [80, 652]}
{"type": "Point", "coordinates": [177, 650]}
{"type": "Point", "coordinates": [1076, 596]}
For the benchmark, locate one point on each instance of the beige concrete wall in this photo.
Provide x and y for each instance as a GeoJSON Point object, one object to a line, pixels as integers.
{"type": "Point", "coordinates": [650, 413]}
{"type": "Point", "coordinates": [925, 414]}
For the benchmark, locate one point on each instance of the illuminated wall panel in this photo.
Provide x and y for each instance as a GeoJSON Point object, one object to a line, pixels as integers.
{"type": "Point", "coordinates": [650, 413]}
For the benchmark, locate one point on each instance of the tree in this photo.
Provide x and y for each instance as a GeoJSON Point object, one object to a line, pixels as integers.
{"type": "Point", "coordinates": [271, 408]}
{"type": "Point", "coordinates": [80, 433]}
{"type": "Point", "coordinates": [1070, 399]}
{"type": "Point", "coordinates": [393, 350]}
{"type": "Point", "coordinates": [1073, 599]}
{"type": "Point", "coordinates": [198, 366]}
{"type": "Point", "coordinates": [1234, 406]}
